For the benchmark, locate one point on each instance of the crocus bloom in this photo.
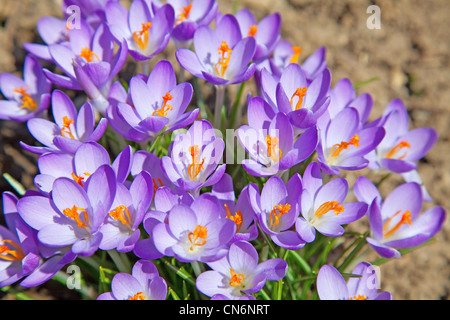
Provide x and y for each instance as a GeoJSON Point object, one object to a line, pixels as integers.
{"type": "Point", "coordinates": [293, 95]}
{"type": "Point", "coordinates": [189, 15]}
{"type": "Point", "coordinates": [323, 208]}
{"type": "Point", "coordinates": [240, 212]}
{"type": "Point", "coordinates": [401, 148]}
{"type": "Point", "coordinates": [146, 33]}
{"type": "Point", "coordinates": [396, 222]}
{"type": "Point", "coordinates": [269, 140]}
{"type": "Point", "coordinates": [69, 131]}
{"type": "Point", "coordinates": [89, 63]}
{"type": "Point", "coordinates": [79, 167]}
{"type": "Point", "coordinates": [27, 97]}
{"type": "Point", "coordinates": [221, 56]}
{"type": "Point", "coordinates": [343, 143]}
{"type": "Point", "coordinates": [331, 284]}
{"type": "Point", "coordinates": [121, 228]}
{"type": "Point", "coordinates": [266, 32]}
{"type": "Point", "coordinates": [277, 210]}
{"type": "Point", "coordinates": [144, 283]}
{"type": "Point", "coordinates": [156, 104]}
{"type": "Point", "coordinates": [239, 271]}
{"type": "Point", "coordinates": [73, 214]}
{"type": "Point", "coordinates": [198, 232]}
{"type": "Point", "coordinates": [194, 158]}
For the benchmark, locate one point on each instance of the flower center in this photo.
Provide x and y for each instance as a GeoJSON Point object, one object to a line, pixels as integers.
{"type": "Point", "coordinates": [236, 278]}
{"type": "Point", "coordinates": [27, 101]}
{"type": "Point", "coordinates": [88, 55]}
{"type": "Point", "coordinates": [272, 148]}
{"type": "Point", "coordinates": [10, 254]}
{"type": "Point", "coordinates": [300, 93]}
{"type": "Point", "coordinates": [252, 31]}
{"type": "Point", "coordinates": [66, 127]}
{"type": "Point", "coordinates": [237, 218]}
{"type": "Point", "coordinates": [184, 15]}
{"type": "Point", "coordinates": [75, 215]}
{"type": "Point", "coordinates": [138, 296]}
{"type": "Point", "coordinates": [162, 112]}
{"type": "Point", "coordinates": [327, 207]}
{"type": "Point", "coordinates": [122, 214]}
{"type": "Point", "coordinates": [196, 166]}
{"type": "Point", "coordinates": [79, 179]}
{"type": "Point", "coordinates": [337, 148]}
{"type": "Point", "coordinates": [200, 232]}
{"type": "Point", "coordinates": [401, 145]}
{"type": "Point", "coordinates": [225, 52]}
{"type": "Point", "coordinates": [141, 37]}
{"type": "Point", "coordinates": [358, 297]}
{"type": "Point", "coordinates": [296, 55]}
{"type": "Point", "coordinates": [277, 212]}
{"type": "Point", "coordinates": [405, 219]}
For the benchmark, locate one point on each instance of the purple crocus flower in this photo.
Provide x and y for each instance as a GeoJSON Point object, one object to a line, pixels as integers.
{"type": "Point", "coordinates": [269, 140]}
{"type": "Point", "coordinates": [344, 144]}
{"type": "Point", "coordinates": [323, 208]}
{"type": "Point", "coordinates": [331, 284]}
{"type": "Point", "coordinates": [396, 222]}
{"type": "Point", "coordinates": [79, 167]}
{"type": "Point", "coordinates": [401, 148]}
{"type": "Point", "coordinates": [194, 158]}
{"type": "Point", "coordinates": [69, 131]}
{"type": "Point", "coordinates": [240, 211]}
{"type": "Point", "coordinates": [189, 15]}
{"type": "Point", "coordinates": [156, 104]}
{"type": "Point", "coordinates": [221, 56]}
{"type": "Point", "coordinates": [198, 232]}
{"type": "Point", "coordinates": [239, 271]}
{"type": "Point", "coordinates": [73, 214]}
{"type": "Point", "coordinates": [303, 101]}
{"type": "Point", "coordinates": [146, 33]}
{"type": "Point", "coordinates": [121, 228]}
{"type": "Point", "coordinates": [277, 209]}
{"type": "Point", "coordinates": [25, 98]}
{"type": "Point", "coordinates": [266, 32]}
{"type": "Point", "coordinates": [89, 63]}
{"type": "Point", "coordinates": [164, 200]}
{"type": "Point", "coordinates": [144, 283]}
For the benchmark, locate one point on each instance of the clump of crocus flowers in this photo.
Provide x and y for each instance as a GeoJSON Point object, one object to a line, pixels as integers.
{"type": "Point", "coordinates": [140, 184]}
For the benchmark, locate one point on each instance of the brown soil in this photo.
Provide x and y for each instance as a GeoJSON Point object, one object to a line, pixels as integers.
{"type": "Point", "coordinates": [409, 55]}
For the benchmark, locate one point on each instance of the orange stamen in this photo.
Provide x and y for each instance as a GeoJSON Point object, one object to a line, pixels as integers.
{"type": "Point", "coordinates": [141, 37]}
{"type": "Point", "coordinates": [66, 127]}
{"type": "Point", "coordinates": [405, 219]}
{"type": "Point", "coordinates": [337, 148]}
{"type": "Point", "coordinates": [79, 179]}
{"type": "Point", "coordinates": [277, 212]}
{"type": "Point", "coordinates": [8, 254]}
{"type": "Point", "coordinates": [74, 215]}
{"type": "Point", "coordinates": [195, 168]}
{"type": "Point", "coordinates": [122, 214]}
{"type": "Point", "coordinates": [327, 207]}
{"type": "Point", "coordinates": [155, 184]}
{"type": "Point", "coordinates": [184, 15]}
{"type": "Point", "coordinates": [358, 297]}
{"type": "Point", "coordinates": [199, 232]}
{"type": "Point", "coordinates": [27, 101]}
{"type": "Point", "coordinates": [300, 93]}
{"type": "Point", "coordinates": [397, 148]}
{"type": "Point", "coordinates": [252, 31]}
{"type": "Point", "coordinates": [237, 218]}
{"type": "Point", "coordinates": [138, 296]}
{"type": "Point", "coordinates": [222, 65]}
{"type": "Point", "coordinates": [236, 278]}
{"type": "Point", "coordinates": [272, 148]}
{"type": "Point", "coordinates": [90, 56]}
{"type": "Point", "coordinates": [296, 55]}
{"type": "Point", "coordinates": [165, 107]}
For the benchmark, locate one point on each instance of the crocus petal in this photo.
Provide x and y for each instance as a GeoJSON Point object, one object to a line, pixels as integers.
{"type": "Point", "coordinates": [331, 284]}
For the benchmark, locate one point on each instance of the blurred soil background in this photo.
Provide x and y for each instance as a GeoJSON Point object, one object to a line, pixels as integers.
{"type": "Point", "coordinates": [409, 55]}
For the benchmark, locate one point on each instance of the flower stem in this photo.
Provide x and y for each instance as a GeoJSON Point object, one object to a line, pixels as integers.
{"type": "Point", "coordinates": [220, 95]}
